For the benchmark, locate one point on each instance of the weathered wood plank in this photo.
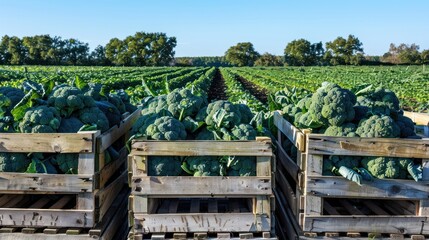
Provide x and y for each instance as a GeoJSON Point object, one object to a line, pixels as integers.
{"type": "Point", "coordinates": [380, 188]}
{"type": "Point", "coordinates": [31, 183]}
{"type": "Point", "coordinates": [291, 132]}
{"type": "Point", "coordinates": [201, 186]}
{"type": "Point", "coordinates": [289, 165]}
{"type": "Point", "coordinates": [45, 218]}
{"type": "Point", "coordinates": [106, 139]}
{"type": "Point", "coordinates": [379, 224]}
{"type": "Point", "coordinates": [392, 147]}
{"type": "Point", "coordinates": [203, 222]}
{"type": "Point", "coordinates": [201, 148]}
{"type": "Point", "coordinates": [287, 191]}
{"type": "Point", "coordinates": [107, 195]}
{"type": "Point", "coordinates": [48, 142]}
{"type": "Point", "coordinates": [107, 172]}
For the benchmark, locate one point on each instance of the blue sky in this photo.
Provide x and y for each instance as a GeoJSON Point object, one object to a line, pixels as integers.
{"type": "Point", "coordinates": [209, 28]}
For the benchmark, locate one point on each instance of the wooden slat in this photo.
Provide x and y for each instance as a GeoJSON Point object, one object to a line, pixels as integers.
{"type": "Point", "coordinates": [287, 191]}
{"type": "Point", "coordinates": [201, 148]}
{"type": "Point", "coordinates": [391, 147]}
{"type": "Point", "coordinates": [203, 222]}
{"type": "Point", "coordinates": [329, 208]}
{"type": "Point", "coordinates": [107, 172]}
{"type": "Point", "coordinates": [291, 168]}
{"type": "Point", "coordinates": [106, 196]}
{"type": "Point", "coordinates": [292, 133]}
{"type": "Point", "coordinates": [379, 188]}
{"type": "Point", "coordinates": [418, 118]}
{"type": "Point", "coordinates": [106, 139]}
{"type": "Point", "coordinates": [379, 224]}
{"type": "Point", "coordinates": [201, 186]}
{"type": "Point", "coordinates": [45, 217]}
{"type": "Point", "coordinates": [47, 142]}
{"type": "Point", "coordinates": [31, 183]}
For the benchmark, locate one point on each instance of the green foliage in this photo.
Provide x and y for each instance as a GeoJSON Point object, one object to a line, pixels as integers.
{"type": "Point", "coordinates": [68, 163]}
{"type": "Point", "coordinates": [242, 54]}
{"type": "Point", "coordinates": [302, 53]}
{"type": "Point", "coordinates": [111, 112]}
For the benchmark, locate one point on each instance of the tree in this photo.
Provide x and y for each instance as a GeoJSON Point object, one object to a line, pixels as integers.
{"type": "Point", "coordinates": [267, 59]}
{"type": "Point", "coordinates": [302, 53]}
{"type": "Point", "coordinates": [344, 51]}
{"type": "Point", "coordinates": [98, 56]}
{"type": "Point", "coordinates": [142, 49]}
{"type": "Point", "coordinates": [37, 49]}
{"type": "Point", "coordinates": [425, 56]}
{"type": "Point", "coordinates": [403, 54]}
{"type": "Point", "coordinates": [75, 52]}
{"type": "Point", "coordinates": [242, 54]}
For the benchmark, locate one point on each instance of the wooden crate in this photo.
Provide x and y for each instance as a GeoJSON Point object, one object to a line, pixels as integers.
{"type": "Point", "coordinates": [147, 191]}
{"type": "Point", "coordinates": [307, 192]}
{"type": "Point", "coordinates": [113, 226]}
{"type": "Point", "coordinates": [86, 197]}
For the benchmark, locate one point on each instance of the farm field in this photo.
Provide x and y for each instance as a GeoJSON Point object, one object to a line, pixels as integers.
{"type": "Point", "coordinates": [245, 85]}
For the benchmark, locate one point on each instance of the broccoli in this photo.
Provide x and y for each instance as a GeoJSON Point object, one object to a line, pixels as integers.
{"type": "Point", "coordinates": [126, 100]}
{"type": "Point", "coordinates": [156, 105]}
{"type": "Point", "coordinates": [378, 126]}
{"type": "Point", "coordinates": [67, 99]}
{"type": "Point", "coordinates": [166, 128]}
{"type": "Point", "coordinates": [304, 104]}
{"type": "Point", "coordinates": [116, 101]}
{"type": "Point", "coordinates": [181, 103]}
{"type": "Point", "coordinates": [5, 104]}
{"type": "Point", "coordinates": [112, 113]}
{"type": "Point", "coordinates": [200, 166]}
{"type": "Point", "coordinates": [246, 113]}
{"type": "Point", "coordinates": [332, 105]}
{"type": "Point", "coordinates": [70, 125]}
{"type": "Point", "coordinates": [335, 162]}
{"type": "Point", "coordinates": [14, 94]}
{"type": "Point", "coordinates": [244, 132]}
{"type": "Point", "coordinates": [206, 134]}
{"type": "Point", "coordinates": [68, 163]}
{"type": "Point", "coordinates": [41, 119]}
{"type": "Point", "coordinates": [406, 126]}
{"type": "Point", "coordinates": [305, 120]}
{"type": "Point", "coordinates": [220, 114]}
{"type": "Point", "coordinates": [379, 101]}
{"type": "Point", "coordinates": [345, 130]}
{"type": "Point", "coordinates": [140, 125]}
{"type": "Point", "coordinates": [164, 166]}
{"type": "Point", "coordinates": [389, 167]}
{"type": "Point", "coordinates": [40, 164]}
{"type": "Point", "coordinates": [241, 166]}
{"type": "Point", "coordinates": [191, 125]}
{"type": "Point", "coordinates": [94, 116]}
{"type": "Point", "coordinates": [290, 111]}
{"type": "Point", "coordinates": [13, 162]}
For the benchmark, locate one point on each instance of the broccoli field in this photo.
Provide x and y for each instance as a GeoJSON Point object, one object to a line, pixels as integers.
{"type": "Point", "coordinates": [247, 85]}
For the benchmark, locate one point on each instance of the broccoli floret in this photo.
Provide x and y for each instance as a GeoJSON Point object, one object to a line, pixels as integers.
{"type": "Point", "coordinates": [94, 116]}
{"type": "Point", "coordinates": [112, 113]}
{"type": "Point", "coordinates": [390, 167]}
{"type": "Point", "coordinates": [164, 166]}
{"type": "Point", "coordinates": [305, 120]}
{"type": "Point", "coordinates": [126, 100]}
{"type": "Point", "coordinates": [244, 132]}
{"type": "Point", "coordinates": [221, 114]}
{"type": "Point", "coordinates": [335, 162]}
{"type": "Point", "coordinates": [201, 166]}
{"type": "Point", "coordinates": [13, 162]}
{"type": "Point", "coordinates": [41, 119]}
{"type": "Point", "coordinates": [156, 105]}
{"type": "Point", "coordinates": [332, 105]}
{"type": "Point", "coordinates": [378, 126]}
{"type": "Point", "coordinates": [246, 113]}
{"type": "Point", "coordinates": [67, 99]}
{"type": "Point", "coordinates": [14, 94]}
{"type": "Point", "coordinates": [205, 134]}
{"type": "Point", "coordinates": [140, 125]}
{"type": "Point", "coordinates": [290, 111]}
{"type": "Point", "coordinates": [346, 130]}
{"type": "Point", "coordinates": [96, 91]}
{"type": "Point", "coordinates": [68, 163]}
{"type": "Point", "coordinates": [379, 101]}
{"type": "Point", "coordinates": [70, 125]}
{"type": "Point", "coordinates": [182, 103]}
{"type": "Point", "coordinates": [304, 104]}
{"type": "Point", "coordinates": [166, 128]}
{"type": "Point", "coordinates": [241, 166]}
{"type": "Point", "coordinates": [406, 126]}
{"type": "Point", "coordinates": [116, 100]}
{"type": "Point", "coordinates": [191, 125]}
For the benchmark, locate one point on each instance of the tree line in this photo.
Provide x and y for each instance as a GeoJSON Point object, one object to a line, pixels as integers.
{"type": "Point", "coordinates": [140, 49]}
{"type": "Point", "coordinates": [157, 49]}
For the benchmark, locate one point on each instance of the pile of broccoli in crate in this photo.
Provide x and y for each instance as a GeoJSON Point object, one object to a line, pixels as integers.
{"type": "Point", "coordinates": [185, 114]}
{"type": "Point", "coordinates": [365, 111]}
{"type": "Point", "coordinates": [49, 108]}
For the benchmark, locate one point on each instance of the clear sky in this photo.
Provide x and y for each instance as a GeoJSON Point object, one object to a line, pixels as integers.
{"type": "Point", "coordinates": [210, 27]}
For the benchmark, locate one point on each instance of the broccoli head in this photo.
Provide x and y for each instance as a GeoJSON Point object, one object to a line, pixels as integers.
{"type": "Point", "coordinates": [94, 116]}
{"type": "Point", "coordinates": [156, 104]}
{"type": "Point", "coordinates": [246, 113]}
{"type": "Point", "coordinates": [70, 125]}
{"type": "Point", "coordinates": [305, 120]}
{"type": "Point", "coordinates": [201, 166]}
{"type": "Point", "coordinates": [378, 101]}
{"type": "Point", "coordinates": [164, 166]}
{"type": "Point", "coordinates": [13, 162]}
{"type": "Point", "coordinates": [335, 162]}
{"type": "Point", "coordinates": [183, 103]}
{"type": "Point", "coordinates": [68, 163]}
{"type": "Point", "coordinates": [345, 130]}
{"type": "Point", "coordinates": [112, 113]}
{"type": "Point", "coordinates": [378, 126]}
{"type": "Point", "coordinates": [116, 101]}
{"type": "Point", "coordinates": [241, 166]}
{"type": "Point", "coordinates": [140, 125]}
{"type": "Point", "coordinates": [406, 126]}
{"type": "Point", "coordinates": [290, 111]}
{"type": "Point", "coordinates": [206, 134]}
{"type": "Point", "coordinates": [244, 132]}
{"type": "Point", "coordinates": [221, 114]}
{"type": "Point", "coordinates": [166, 128]}
{"type": "Point", "coordinates": [41, 119]}
{"type": "Point", "coordinates": [126, 100]}
{"type": "Point", "coordinates": [67, 99]}
{"type": "Point", "coordinates": [332, 105]}
{"type": "Point", "coordinates": [14, 94]}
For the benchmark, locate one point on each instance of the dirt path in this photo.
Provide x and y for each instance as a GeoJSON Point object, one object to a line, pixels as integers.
{"type": "Point", "coordinates": [260, 93]}
{"type": "Point", "coordinates": [217, 90]}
